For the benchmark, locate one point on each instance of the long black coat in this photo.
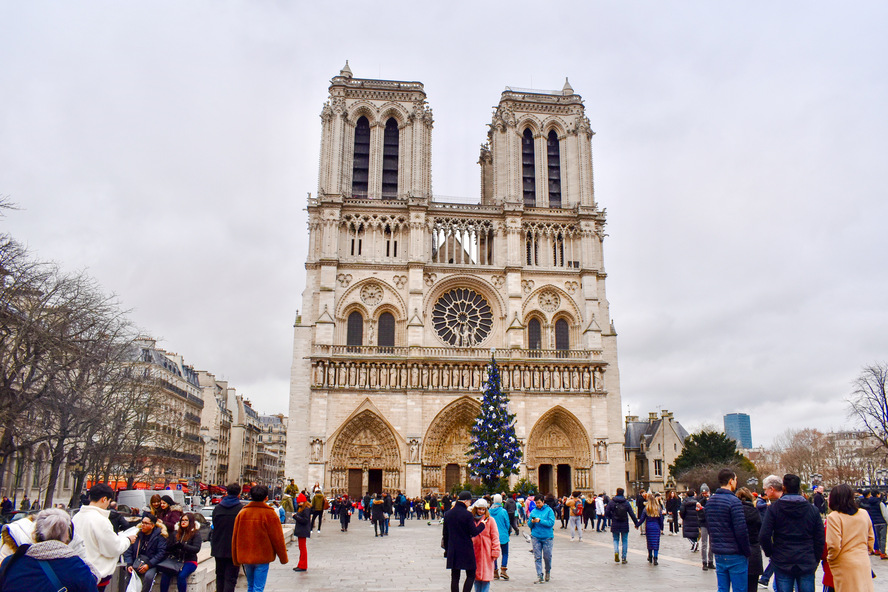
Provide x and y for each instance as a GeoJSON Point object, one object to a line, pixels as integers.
{"type": "Point", "coordinates": [753, 525]}
{"type": "Point", "coordinates": [690, 528]}
{"type": "Point", "coordinates": [792, 535]}
{"type": "Point", "coordinates": [459, 528]}
{"type": "Point", "coordinates": [223, 529]}
{"type": "Point", "coordinates": [152, 547]}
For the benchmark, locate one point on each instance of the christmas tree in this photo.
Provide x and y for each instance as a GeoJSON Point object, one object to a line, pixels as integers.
{"type": "Point", "coordinates": [494, 452]}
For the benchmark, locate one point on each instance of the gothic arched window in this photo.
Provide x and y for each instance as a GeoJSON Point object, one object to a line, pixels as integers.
{"type": "Point", "coordinates": [562, 335]}
{"type": "Point", "coordinates": [534, 335]}
{"type": "Point", "coordinates": [386, 334]}
{"type": "Point", "coordinates": [355, 330]}
{"type": "Point", "coordinates": [390, 159]}
{"type": "Point", "coordinates": [553, 160]}
{"type": "Point", "coordinates": [528, 168]}
{"type": "Point", "coordinates": [361, 161]}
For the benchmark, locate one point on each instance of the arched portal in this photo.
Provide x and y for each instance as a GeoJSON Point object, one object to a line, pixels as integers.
{"type": "Point", "coordinates": [446, 443]}
{"type": "Point", "coordinates": [367, 447]}
{"type": "Point", "coordinates": [559, 453]}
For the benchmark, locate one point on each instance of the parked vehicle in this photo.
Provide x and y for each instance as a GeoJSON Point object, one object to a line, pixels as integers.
{"type": "Point", "coordinates": [139, 498]}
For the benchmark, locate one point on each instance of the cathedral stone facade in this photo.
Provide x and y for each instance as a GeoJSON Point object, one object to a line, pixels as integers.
{"type": "Point", "coordinates": [407, 297]}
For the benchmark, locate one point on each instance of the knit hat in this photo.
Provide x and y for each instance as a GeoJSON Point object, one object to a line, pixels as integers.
{"type": "Point", "coordinates": [480, 503]}
{"type": "Point", "coordinates": [465, 495]}
{"type": "Point", "coordinates": [704, 488]}
{"type": "Point", "coordinates": [497, 499]}
{"type": "Point", "coordinates": [168, 500]}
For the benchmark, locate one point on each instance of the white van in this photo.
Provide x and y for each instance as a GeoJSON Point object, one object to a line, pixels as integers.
{"type": "Point", "coordinates": [139, 498]}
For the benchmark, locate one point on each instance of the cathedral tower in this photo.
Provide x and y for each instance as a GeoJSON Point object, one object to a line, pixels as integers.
{"type": "Point", "coordinates": [407, 297]}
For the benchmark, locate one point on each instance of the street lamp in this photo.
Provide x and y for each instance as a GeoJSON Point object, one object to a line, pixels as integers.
{"type": "Point", "coordinates": [753, 482]}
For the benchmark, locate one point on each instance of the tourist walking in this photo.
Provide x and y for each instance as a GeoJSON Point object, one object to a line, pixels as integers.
{"type": "Point", "coordinates": [503, 527]}
{"type": "Point", "coordinates": [753, 526]}
{"type": "Point", "coordinates": [183, 545]}
{"type": "Point", "coordinates": [729, 536]}
{"type": "Point", "coordinates": [486, 546]}
{"type": "Point", "coordinates": [257, 538]}
{"type": "Point", "coordinates": [542, 533]}
{"type": "Point", "coordinates": [849, 542]}
{"type": "Point", "coordinates": [49, 563]}
{"type": "Point", "coordinates": [690, 526]}
{"type": "Point", "coordinates": [377, 516]}
{"type": "Point", "coordinates": [600, 506]}
{"type": "Point", "coordinates": [872, 503]}
{"type": "Point", "coordinates": [706, 553]}
{"type": "Point", "coordinates": [103, 546]}
{"type": "Point", "coordinates": [224, 515]}
{"type": "Point", "coordinates": [792, 536]}
{"type": "Point", "coordinates": [511, 508]}
{"type": "Point", "coordinates": [575, 508]}
{"type": "Point", "coordinates": [345, 512]}
{"type": "Point", "coordinates": [142, 557]}
{"type": "Point", "coordinates": [652, 518]}
{"type": "Point", "coordinates": [619, 512]}
{"type": "Point", "coordinates": [673, 505]}
{"type": "Point", "coordinates": [319, 503]}
{"type": "Point", "coordinates": [302, 531]}
{"type": "Point", "coordinates": [457, 532]}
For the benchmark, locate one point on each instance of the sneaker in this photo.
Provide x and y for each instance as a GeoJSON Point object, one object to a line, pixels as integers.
{"type": "Point", "coordinates": [616, 557]}
{"type": "Point", "coordinates": [540, 580]}
{"type": "Point", "coordinates": [624, 561]}
{"type": "Point", "coordinates": [526, 537]}
{"type": "Point", "coordinates": [547, 576]}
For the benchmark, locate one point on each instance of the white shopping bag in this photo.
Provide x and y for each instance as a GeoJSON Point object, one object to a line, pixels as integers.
{"type": "Point", "coordinates": [135, 583]}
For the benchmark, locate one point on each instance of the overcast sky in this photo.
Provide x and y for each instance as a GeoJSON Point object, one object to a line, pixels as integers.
{"type": "Point", "coordinates": [740, 151]}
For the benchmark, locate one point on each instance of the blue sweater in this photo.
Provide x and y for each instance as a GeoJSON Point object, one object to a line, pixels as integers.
{"type": "Point", "coordinates": [26, 575]}
{"type": "Point", "coordinates": [544, 528]}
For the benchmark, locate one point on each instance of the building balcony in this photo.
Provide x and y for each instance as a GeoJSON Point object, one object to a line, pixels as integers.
{"type": "Point", "coordinates": [192, 418]}
{"type": "Point", "coordinates": [454, 353]}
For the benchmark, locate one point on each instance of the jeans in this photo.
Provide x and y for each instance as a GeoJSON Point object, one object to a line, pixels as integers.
{"type": "Point", "coordinates": [625, 537]}
{"type": "Point", "coordinates": [504, 555]}
{"type": "Point", "coordinates": [257, 573]}
{"type": "Point", "coordinates": [600, 524]}
{"type": "Point", "coordinates": [731, 573]}
{"type": "Point", "coordinates": [385, 524]}
{"type": "Point", "coordinates": [706, 546]}
{"type": "Point", "coordinates": [147, 578]}
{"type": "Point", "coordinates": [181, 578]}
{"type": "Point", "coordinates": [879, 530]}
{"type": "Point", "coordinates": [786, 582]}
{"type": "Point", "coordinates": [574, 524]}
{"type": "Point", "coordinates": [542, 550]}
{"type": "Point", "coordinates": [226, 574]}
{"type": "Point", "coordinates": [482, 586]}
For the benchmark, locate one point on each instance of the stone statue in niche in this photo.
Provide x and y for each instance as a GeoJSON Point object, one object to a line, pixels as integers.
{"type": "Point", "coordinates": [316, 448]}
{"type": "Point", "coordinates": [601, 451]}
{"type": "Point", "coordinates": [414, 450]}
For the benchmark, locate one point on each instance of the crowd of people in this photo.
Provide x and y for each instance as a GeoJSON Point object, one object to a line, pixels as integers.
{"type": "Point", "coordinates": [731, 527]}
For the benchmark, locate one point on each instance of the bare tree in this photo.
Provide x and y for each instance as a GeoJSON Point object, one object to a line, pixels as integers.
{"type": "Point", "coordinates": [802, 452]}
{"type": "Point", "coordinates": [869, 404]}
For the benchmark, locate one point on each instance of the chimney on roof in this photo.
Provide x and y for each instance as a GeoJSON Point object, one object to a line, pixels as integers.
{"type": "Point", "coordinates": [665, 414]}
{"type": "Point", "coordinates": [631, 418]}
{"type": "Point", "coordinates": [652, 416]}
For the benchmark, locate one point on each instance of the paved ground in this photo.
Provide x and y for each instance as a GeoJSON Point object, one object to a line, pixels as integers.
{"type": "Point", "coordinates": [410, 559]}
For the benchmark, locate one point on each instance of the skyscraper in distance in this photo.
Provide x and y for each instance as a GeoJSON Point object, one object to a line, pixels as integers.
{"type": "Point", "coordinates": [738, 429]}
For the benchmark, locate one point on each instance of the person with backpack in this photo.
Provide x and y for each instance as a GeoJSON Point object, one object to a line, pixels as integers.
{"type": "Point", "coordinates": [574, 505]}
{"type": "Point", "coordinates": [619, 512]}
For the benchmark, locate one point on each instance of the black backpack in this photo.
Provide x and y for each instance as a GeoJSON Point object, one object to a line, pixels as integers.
{"type": "Point", "coordinates": [621, 511]}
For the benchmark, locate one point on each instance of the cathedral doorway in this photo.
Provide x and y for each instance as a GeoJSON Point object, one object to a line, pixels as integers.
{"type": "Point", "coordinates": [355, 483]}
{"type": "Point", "coordinates": [545, 479]}
{"type": "Point", "coordinates": [558, 449]}
{"type": "Point", "coordinates": [374, 481]}
{"type": "Point", "coordinates": [366, 441]}
{"type": "Point", "coordinates": [446, 442]}
{"type": "Point", "coordinates": [564, 481]}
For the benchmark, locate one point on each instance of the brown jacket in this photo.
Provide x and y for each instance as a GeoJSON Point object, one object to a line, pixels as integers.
{"type": "Point", "coordinates": [258, 536]}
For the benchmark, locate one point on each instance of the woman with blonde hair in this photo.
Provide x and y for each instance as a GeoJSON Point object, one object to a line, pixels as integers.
{"type": "Point", "coordinates": [486, 545]}
{"type": "Point", "coordinates": [849, 542]}
{"type": "Point", "coordinates": [652, 518]}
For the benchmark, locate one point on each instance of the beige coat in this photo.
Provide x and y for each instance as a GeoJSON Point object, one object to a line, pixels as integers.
{"type": "Point", "coordinates": [849, 540]}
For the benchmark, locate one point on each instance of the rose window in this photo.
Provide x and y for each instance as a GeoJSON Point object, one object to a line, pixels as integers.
{"type": "Point", "coordinates": [462, 318]}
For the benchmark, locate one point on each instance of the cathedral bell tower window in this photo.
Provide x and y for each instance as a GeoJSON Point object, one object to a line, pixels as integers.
{"type": "Point", "coordinates": [562, 337]}
{"type": "Point", "coordinates": [361, 161]}
{"type": "Point", "coordinates": [528, 169]}
{"type": "Point", "coordinates": [390, 159]}
{"type": "Point", "coordinates": [386, 334]}
{"type": "Point", "coordinates": [553, 160]}
{"type": "Point", "coordinates": [534, 334]}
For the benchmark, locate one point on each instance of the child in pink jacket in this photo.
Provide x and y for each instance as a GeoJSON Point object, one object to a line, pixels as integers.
{"type": "Point", "coordinates": [487, 546]}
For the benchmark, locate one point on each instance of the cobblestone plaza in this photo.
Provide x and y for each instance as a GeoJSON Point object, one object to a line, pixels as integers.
{"type": "Point", "coordinates": [410, 559]}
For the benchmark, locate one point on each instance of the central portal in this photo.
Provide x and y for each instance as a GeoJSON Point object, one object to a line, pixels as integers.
{"type": "Point", "coordinates": [374, 481]}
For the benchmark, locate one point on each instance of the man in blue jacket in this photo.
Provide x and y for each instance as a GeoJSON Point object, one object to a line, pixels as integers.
{"type": "Point", "coordinates": [728, 534]}
{"type": "Point", "coordinates": [542, 522]}
{"type": "Point", "coordinates": [792, 536]}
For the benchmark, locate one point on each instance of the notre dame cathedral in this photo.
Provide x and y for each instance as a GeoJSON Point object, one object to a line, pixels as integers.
{"type": "Point", "coordinates": [407, 297]}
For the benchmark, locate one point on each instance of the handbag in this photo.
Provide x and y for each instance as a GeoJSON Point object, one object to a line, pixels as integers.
{"type": "Point", "coordinates": [171, 565]}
